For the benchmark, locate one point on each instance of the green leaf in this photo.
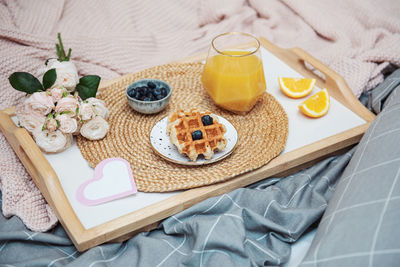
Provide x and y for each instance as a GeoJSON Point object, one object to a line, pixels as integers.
{"type": "Point", "coordinates": [65, 94]}
{"type": "Point", "coordinates": [49, 78]}
{"type": "Point", "coordinates": [85, 92]}
{"type": "Point", "coordinates": [87, 86]}
{"type": "Point", "coordinates": [25, 82]}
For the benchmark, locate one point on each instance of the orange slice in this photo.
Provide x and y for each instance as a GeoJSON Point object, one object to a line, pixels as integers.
{"type": "Point", "coordinates": [296, 87]}
{"type": "Point", "coordinates": [316, 105]}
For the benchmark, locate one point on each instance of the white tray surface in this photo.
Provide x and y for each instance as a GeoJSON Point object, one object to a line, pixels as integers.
{"type": "Point", "coordinates": [72, 169]}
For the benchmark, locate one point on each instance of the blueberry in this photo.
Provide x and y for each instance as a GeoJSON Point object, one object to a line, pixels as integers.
{"type": "Point", "coordinates": [137, 95]}
{"type": "Point", "coordinates": [147, 99]}
{"type": "Point", "coordinates": [159, 97]}
{"type": "Point", "coordinates": [146, 90]}
{"type": "Point", "coordinates": [207, 120]}
{"type": "Point", "coordinates": [151, 85]}
{"type": "Point", "coordinates": [197, 135]}
{"type": "Point", "coordinates": [141, 90]}
{"type": "Point", "coordinates": [132, 93]}
{"type": "Point", "coordinates": [157, 91]}
{"type": "Point", "coordinates": [149, 94]}
{"type": "Point", "coordinates": [163, 91]}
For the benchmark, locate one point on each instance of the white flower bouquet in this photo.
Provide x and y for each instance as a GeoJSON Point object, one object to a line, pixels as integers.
{"type": "Point", "coordinates": [60, 106]}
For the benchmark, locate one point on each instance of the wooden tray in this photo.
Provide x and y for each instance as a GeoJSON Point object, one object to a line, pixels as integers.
{"type": "Point", "coordinates": [148, 217]}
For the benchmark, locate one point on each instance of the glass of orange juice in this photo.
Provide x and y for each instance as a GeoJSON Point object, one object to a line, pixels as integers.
{"type": "Point", "coordinates": [234, 77]}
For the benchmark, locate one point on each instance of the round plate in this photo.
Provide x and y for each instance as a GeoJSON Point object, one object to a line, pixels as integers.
{"type": "Point", "coordinates": [161, 144]}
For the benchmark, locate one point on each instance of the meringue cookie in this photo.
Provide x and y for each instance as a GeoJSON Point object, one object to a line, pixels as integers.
{"type": "Point", "coordinates": [95, 129]}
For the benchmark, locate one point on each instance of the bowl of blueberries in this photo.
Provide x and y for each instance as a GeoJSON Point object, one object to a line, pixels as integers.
{"type": "Point", "coordinates": [148, 96]}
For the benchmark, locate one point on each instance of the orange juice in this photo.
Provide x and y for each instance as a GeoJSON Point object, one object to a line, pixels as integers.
{"type": "Point", "coordinates": [234, 80]}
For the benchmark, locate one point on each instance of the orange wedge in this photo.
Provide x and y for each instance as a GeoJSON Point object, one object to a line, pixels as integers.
{"type": "Point", "coordinates": [296, 87]}
{"type": "Point", "coordinates": [316, 105]}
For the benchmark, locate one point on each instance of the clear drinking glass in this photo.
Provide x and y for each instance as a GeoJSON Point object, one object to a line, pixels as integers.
{"type": "Point", "coordinates": [234, 77]}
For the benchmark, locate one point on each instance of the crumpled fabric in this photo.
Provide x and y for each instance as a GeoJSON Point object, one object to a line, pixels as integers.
{"type": "Point", "coordinates": [359, 40]}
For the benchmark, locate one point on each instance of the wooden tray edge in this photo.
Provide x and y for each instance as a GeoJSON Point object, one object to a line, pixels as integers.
{"type": "Point", "coordinates": [42, 173]}
{"type": "Point", "coordinates": [145, 219]}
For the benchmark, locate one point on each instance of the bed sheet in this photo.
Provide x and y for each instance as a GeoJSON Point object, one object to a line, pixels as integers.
{"type": "Point", "coordinates": [268, 223]}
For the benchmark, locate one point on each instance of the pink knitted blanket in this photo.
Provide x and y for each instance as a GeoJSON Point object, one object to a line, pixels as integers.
{"type": "Point", "coordinates": [358, 39]}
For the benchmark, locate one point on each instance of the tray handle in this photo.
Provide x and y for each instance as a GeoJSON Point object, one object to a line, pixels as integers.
{"type": "Point", "coordinates": [333, 80]}
{"type": "Point", "coordinates": [26, 149]}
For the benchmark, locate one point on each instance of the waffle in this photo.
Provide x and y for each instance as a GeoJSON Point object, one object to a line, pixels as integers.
{"type": "Point", "coordinates": [182, 124]}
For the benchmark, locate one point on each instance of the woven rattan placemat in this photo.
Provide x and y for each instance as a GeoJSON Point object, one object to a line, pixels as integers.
{"type": "Point", "coordinates": [262, 133]}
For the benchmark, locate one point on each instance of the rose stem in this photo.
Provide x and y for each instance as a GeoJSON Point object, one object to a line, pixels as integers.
{"type": "Point", "coordinates": [58, 52]}
{"type": "Point", "coordinates": [61, 46]}
{"type": "Point", "coordinates": [69, 54]}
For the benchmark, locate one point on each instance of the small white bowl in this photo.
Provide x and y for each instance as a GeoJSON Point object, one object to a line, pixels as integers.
{"type": "Point", "coordinates": [148, 107]}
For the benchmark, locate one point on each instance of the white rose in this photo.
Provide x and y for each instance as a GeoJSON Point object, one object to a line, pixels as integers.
{"type": "Point", "coordinates": [68, 105]}
{"type": "Point", "coordinates": [67, 124]}
{"type": "Point", "coordinates": [39, 102]}
{"type": "Point", "coordinates": [86, 111]}
{"type": "Point", "coordinates": [78, 128]}
{"type": "Point", "coordinates": [100, 108]}
{"type": "Point", "coordinates": [95, 129]}
{"type": "Point", "coordinates": [67, 75]}
{"type": "Point", "coordinates": [57, 93]}
{"type": "Point", "coordinates": [29, 119]}
{"type": "Point", "coordinates": [50, 124]}
{"type": "Point", "coordinates": [51, 142]}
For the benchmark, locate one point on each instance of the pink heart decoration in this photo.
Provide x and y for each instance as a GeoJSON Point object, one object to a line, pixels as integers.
{"type": "Point", "coordinates": [112, 179]}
